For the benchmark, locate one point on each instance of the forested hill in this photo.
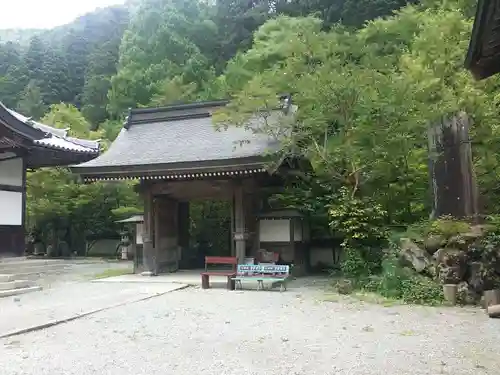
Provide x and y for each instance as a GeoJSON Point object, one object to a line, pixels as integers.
{"type": "Point", "coordinates": [147, 52]}
{"type": "Point", "coordinates": [63, 64]}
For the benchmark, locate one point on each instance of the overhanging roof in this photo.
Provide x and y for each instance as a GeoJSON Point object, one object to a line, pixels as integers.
{"type": "Point", "coordinates": [483, 56]}
{"type": "Point", "coordinates": [181, 140]}
{"type": "Point", "coordinates": [43, 145]}
{"type": "Point", "coordinates": [133, 219]}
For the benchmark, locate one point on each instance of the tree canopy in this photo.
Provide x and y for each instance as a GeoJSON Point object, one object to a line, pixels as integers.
{"type": "Point", "coordinates": [367, 77]}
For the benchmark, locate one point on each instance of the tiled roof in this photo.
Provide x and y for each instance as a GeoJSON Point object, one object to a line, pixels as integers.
{"type": "Point", "coordinates": [180, 138]}
{"type": "Point", "coordinates": [58, 139]}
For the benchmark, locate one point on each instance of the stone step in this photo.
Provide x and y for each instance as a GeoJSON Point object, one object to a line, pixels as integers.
{"type": "Point", "coordinates": [4, 278]}
{"type": "Point", "coordinates": [16, 284]}
{"type": "Point", "coordinates": [15, 292]}
{"type": "Point", "coordinates": [33, 263]}
{"type": "Point", "coordinates": [33, 268]}
{"type": "Point", "coordinates": [12, 259]}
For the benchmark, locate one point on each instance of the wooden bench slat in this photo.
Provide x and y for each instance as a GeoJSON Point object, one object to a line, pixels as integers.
{"type": "Point", "coordinates": [221, 260]}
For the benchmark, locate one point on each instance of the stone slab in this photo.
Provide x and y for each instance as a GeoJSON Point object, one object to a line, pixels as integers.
{"type": "Point", "coordinates": [494, 311]}
{"type": "Point", "coordinates": [15, 284]}
{"type": "Point", "coordinates": [5, 278]}
{"type": "Point", "coordinates": [36, 311]}
{"type": "Point", "coordinates": [17, 291]}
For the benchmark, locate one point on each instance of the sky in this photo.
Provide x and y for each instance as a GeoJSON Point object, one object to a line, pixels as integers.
{"type": "Point", "coordinates": [44, 14]}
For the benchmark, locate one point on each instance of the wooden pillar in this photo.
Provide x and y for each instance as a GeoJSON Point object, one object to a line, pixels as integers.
{"type": "Point", "coordinates": [251, 224]}
{"type": "Point", "coordinates": [183, 222]}
{"type": "Point", "coordinates": [239, 233]}
{"type": "Point", "coordinates": [148, 252]}
{"type": "Point", "coordinates": [167, 234]}
{"type": "Point", "coordinates": [183, 226]}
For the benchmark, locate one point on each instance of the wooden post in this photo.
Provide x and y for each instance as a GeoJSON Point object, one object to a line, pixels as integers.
{"type": "Point", "coordinates": [148, 251]}
{"type": "Point", "coordinates": [451, 173]}
{"type": "Point", "coordinates": [239, 234]}
{"type": "Point", "coordinates": [183, 224]}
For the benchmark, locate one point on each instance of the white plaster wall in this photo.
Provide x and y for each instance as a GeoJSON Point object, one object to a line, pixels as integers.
{"type": "Point", "coordinates": [274, 230]}
{"type": "Point", "coordinates": [11, 172]}
{"type": "Point", "coordinates": [11, 208]}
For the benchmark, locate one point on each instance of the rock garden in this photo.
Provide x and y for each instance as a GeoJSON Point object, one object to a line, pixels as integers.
{"type": "Point", "coordinates": [463, 258]}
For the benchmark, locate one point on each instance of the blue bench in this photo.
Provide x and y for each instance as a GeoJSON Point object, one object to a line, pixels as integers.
{"type": "Point", "coordinates": [276, 274]}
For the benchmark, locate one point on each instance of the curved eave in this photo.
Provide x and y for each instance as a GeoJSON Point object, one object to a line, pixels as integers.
{"type": "Point", "coordinates": [39, 143]}
{"type": "Point", "coordinates": [15, 125]}
{"type": "Point", "coordinates": [39, 157]}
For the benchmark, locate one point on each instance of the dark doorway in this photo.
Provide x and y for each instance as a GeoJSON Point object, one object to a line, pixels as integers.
{"type": "Point", "coordinates": [209, 232]}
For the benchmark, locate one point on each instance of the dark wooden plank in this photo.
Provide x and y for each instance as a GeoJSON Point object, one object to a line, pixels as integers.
{"type": "Point", "coordinates": [221, 260]}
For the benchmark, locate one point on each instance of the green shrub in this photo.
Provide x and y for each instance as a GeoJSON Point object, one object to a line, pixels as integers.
{"type": "Point", "coordinates": [445, 226]}
{"type": "Point", "coordinates": [448, 227]}
{"type": "Point", "coordinates": [402, 283]}
{"type": "Point", "coordinates": [353, 264]}
{"type": "Point", "coordinates": [421, 290]}
{"type": "Point", "coordinates": [360, 223]}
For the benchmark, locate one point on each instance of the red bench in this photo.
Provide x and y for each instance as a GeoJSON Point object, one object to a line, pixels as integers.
{"type": "Point", "coordinates": [229, 273]}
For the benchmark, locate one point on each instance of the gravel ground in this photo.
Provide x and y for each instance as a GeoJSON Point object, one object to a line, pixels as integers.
{"type": "Point", "coordinates": [79, 271]}
{"type": "Point", "coordinates": [68, 301]}
{"type": "Point", "coordinates": [194, 331]}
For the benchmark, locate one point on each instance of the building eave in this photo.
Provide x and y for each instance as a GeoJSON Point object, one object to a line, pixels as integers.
{"type": "Point", "coordinates": [15, 125]}
{"type": "Point", "coordinates": [483, 55]}
{"type": "Point", "coordinates": [174, 171]}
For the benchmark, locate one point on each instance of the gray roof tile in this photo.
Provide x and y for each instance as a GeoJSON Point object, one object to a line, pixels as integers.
{"type": "Point", "coordinates": [178, 141]}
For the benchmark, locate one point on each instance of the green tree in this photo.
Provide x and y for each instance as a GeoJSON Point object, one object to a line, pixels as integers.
{"type": "Point", "coordinates": [159, 45]}
{"type": "Point", "coordinates": [31, 102]}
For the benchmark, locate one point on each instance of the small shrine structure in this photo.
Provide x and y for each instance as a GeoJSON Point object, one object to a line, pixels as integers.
{"type": "Point", "coordinates": [177, 155]}
{"type": "Point", "coordinates": [26, 144]}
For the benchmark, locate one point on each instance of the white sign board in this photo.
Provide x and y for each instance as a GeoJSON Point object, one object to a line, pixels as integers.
{"type": "Point", "coordinates": [11, 208]}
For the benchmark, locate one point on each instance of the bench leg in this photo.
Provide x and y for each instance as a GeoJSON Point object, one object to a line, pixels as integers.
{"type": "Point", "coordinates": [283, 287]}
{"type": "Point", "coordinates": [260, 285]}
{"type": "Point", "coordinates": [205, 284]}
{"type": "Point", "coordinates": [238, 285]}
{"type": "Point", "coordinates": [230, 283]}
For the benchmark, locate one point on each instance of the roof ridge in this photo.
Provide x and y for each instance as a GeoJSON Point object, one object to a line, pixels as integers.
{"type": "Point", "coordinates": [168, 118]}
{"type": "Point", "coordinates": [174, 107]}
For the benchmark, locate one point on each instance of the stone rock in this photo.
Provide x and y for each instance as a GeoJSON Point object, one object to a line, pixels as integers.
{"type": "Point", "coordinates": [475, 279]}
{"type": "Point", "coordinates": [414, 255]}
{"type": "Point", "coordinates": [451, 257]}
{"type": "Point", "coordinates": [466, 295]}
{"type": "Point", "coordinates": [458, 242]}
{"type": "Point", "coordinates": [451, 265]}
{"type": "Point", "coordinates": [475, 232]}
{"type": "Point", "coordinates": [492, 297]}
{"type": "Point", "coordinates": [493, 311]}
{"type": "Point", "coordinates": [433, 243]}
{"type": "Point", "coordinates": [344, 286]}
{"type": "Point", "coordinates": [449, 275]}
{"type": "Point", "coordinates": [439, 255]}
